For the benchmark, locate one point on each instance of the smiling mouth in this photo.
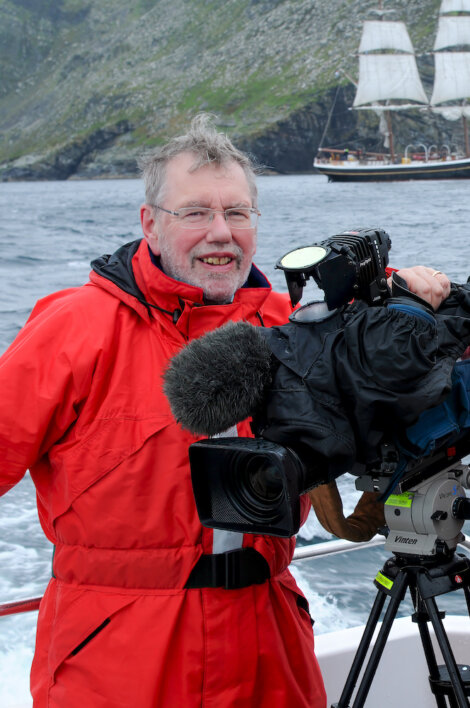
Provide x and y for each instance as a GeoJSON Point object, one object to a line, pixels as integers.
{"type": "Point", "coordinates": [214, 260]}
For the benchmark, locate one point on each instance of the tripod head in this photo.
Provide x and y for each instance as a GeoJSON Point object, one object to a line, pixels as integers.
{"type": "Point", "coordinates": [428, 506]}
{"type": "Point", "coordinates": [428, 518]}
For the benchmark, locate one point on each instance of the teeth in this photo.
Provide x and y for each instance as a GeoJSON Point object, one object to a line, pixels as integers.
{"type": "Point", "coordinates": [212, 260]}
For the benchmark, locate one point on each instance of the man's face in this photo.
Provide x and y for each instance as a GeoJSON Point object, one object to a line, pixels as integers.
{"type": "Point", "coordinates": [216, 258]}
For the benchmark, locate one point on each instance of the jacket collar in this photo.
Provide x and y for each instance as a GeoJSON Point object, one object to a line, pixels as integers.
{"type": "Point", "coordinates": [131, 275]}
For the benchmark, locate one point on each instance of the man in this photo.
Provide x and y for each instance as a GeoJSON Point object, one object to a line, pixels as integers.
{"type": "Point", "coordinates": [147, 608]}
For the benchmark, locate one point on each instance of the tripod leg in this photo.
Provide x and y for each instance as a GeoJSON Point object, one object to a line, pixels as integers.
{"type": "Point", "coordinates": [466, 589]}
{"type": "Point", "coordinates": [449, 660]}
{"type": "Point", "coordinates": [421, 617]}
{"type": "Point", "coordinates": [430, 658]}
{"type": "Point", "coordinates": [399, 589]}
{"type": "Point", "coordinates": [360, 656]}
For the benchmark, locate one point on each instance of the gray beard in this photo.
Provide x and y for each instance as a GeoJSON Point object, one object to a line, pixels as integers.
{"type": "Point", "coordinates": [177, 275]}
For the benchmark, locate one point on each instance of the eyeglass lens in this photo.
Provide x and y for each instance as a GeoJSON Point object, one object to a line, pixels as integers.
{"type": "Point", "coordinates": [195, 217]}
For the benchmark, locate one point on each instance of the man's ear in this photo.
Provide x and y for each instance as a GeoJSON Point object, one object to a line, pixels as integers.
{"type": "Point", "coordinates": [150, 227]}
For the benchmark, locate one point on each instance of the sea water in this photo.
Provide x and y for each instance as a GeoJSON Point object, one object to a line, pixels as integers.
{"type": "Point", "coordinates": [49, 232]}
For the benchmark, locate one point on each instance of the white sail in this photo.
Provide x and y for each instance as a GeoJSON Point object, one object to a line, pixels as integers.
{"type": "Point", "coordinates": [385, 77]}
{"type": "Point", "coordinates": [451, 77]}
{"type": "Point", "coordinates": [453, 32]}
{"type": "Point", "coordinates": [385, 35]}
{"type": "Point", "coordinates": [454, 6]}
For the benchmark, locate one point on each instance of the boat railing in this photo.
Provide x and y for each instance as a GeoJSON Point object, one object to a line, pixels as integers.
{"type": "Point", "coordinates": [426, 153]}
{"type": "Point", "coordinates": [417, 155]}
{"type": "Point", "coordinates": [314, 550]}
{"type": "Point", "coordinates": [343, 156]}
{"type": "Point", "coordinates": [330, 548]}
{"type": "Point", "coordinates": [327, 548]}
{"type": "Point", "coordinates": [414, 153]}
{"type": "Point", "coordinates": [17, 606]}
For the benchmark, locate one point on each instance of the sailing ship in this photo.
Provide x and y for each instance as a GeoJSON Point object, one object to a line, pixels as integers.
{"type": "Point", "coordinates": [389, 82]}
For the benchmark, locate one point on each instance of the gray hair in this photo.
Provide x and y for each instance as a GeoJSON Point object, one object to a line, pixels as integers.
{"type": "Point", "coordinates": [208, 146]}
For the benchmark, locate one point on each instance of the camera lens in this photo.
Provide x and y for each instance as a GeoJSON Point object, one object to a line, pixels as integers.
{"type": "Point", "coordinates": [263, 480]}
{"type": "Point", "coordinates": [255, 487]}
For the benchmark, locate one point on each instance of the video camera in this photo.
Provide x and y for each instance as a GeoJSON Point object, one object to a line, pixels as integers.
{"type": "Point", "coordinates": [338, 388]}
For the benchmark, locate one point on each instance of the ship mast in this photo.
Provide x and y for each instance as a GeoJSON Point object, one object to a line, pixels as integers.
{"type": "Point", "coordinates": [388, 75]}
{"type": "Point", "coordinates": [452, 64]}
{"type": "Point", "coordinates": [388, 115]}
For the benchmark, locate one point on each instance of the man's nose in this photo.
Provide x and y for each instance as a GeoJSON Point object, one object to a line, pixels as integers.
{"type": "Point", "coordinates": [219, 230]}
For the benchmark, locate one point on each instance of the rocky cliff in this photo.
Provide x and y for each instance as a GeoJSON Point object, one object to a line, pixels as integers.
{"type": "Point", "coordinates": [88, 85]}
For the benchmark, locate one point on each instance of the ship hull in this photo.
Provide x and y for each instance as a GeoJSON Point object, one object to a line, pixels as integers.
{"type": "Point", "coordinates": [353, 171]}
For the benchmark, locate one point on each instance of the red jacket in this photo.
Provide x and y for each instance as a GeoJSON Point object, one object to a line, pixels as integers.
{"type": "Point", "coordinates": [85, 412]}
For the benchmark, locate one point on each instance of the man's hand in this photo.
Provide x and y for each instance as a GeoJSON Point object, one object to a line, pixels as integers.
{"type": "Point", "coordinates": [361, 525]}
{"type": "Point", "coordinates": [429, 284]}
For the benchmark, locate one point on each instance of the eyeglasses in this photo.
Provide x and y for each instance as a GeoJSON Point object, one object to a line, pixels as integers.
{"type": "Point", "coordinates": [199, 217]}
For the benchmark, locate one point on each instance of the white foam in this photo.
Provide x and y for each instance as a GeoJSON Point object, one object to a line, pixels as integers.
{"type": "Point", "coordinates": [14, 678]}
{"type": "Point", "coordinates": [78, 264]}
{"type": "Point", "coordinates": [323, 608]}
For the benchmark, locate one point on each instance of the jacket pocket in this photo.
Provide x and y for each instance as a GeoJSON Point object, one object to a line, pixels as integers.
{"type": "Point", "coordinates": [302, 604]}
{"type": "Point", "coordinates": [80, 617]}
{"type": "Point", "coordinates": [107, 444]}
{"type": "Point", "coordinates": [297, 599]}
{"type": "Point", "coordinates": [91, 636]}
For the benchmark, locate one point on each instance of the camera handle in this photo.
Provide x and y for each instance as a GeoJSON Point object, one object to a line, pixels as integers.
{"type": "Point", "coordinates": [425, 579]}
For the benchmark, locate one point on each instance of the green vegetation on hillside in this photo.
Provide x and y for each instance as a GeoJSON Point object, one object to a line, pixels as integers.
{"type": "Point", "coordinates": [87, 77]}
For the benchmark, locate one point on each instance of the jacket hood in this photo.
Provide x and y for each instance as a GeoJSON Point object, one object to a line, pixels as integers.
{"type": "Point", "coordinates": [117, 268]}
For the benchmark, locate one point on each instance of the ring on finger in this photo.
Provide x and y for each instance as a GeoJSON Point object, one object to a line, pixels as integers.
{"type": "Point", "coordinates": [436, 272]}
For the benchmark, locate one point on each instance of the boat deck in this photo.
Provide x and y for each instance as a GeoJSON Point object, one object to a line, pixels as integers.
{"type": "Point", "coordinates": [402, 675]}
{"type": "Point", "coordinates": [401, 679]}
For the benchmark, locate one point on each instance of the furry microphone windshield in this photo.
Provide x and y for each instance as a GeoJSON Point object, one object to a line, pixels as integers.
{"type": "Point", "coordinates": [219, 379]}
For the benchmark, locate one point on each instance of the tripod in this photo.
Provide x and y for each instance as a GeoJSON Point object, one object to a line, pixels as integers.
{"type": "Point", "coordinates": [426, 578]}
